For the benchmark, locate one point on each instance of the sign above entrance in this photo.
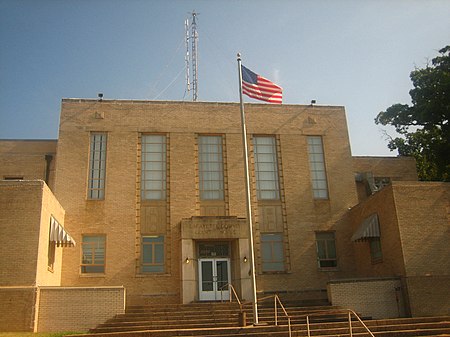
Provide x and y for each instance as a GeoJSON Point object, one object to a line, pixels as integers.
{"type": "Point", "coordinates": [214, 228]}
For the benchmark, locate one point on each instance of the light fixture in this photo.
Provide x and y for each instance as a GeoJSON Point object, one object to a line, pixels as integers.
{"type": "Point", "coordinates": [187, 260]}
{"type": "Point", "coordinates": [245, 259]}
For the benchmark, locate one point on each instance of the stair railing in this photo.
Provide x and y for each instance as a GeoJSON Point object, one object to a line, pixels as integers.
{"type": "Point", "coordinates": [232, 292]}
{"type": "Point", "coordinates": [350, 313]}
{"type": "Point", "coordinates": [277, 302]}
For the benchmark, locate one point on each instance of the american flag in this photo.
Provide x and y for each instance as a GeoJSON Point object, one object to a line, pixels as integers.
{"type": "Point", "coordinates": [261, 88]}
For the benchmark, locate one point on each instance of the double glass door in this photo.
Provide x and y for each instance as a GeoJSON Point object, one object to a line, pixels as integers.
{"type": "Point", "coordinates": [214, 276]}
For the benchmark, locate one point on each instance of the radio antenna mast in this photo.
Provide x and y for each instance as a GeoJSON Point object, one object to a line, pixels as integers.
{"type": "Point", "coordinates": [194, 41]}
{"type": "Point", "coordinates": [187, 56]}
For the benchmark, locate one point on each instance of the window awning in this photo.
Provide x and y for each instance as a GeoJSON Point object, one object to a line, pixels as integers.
{"type": "Point", "coordinates": [59, 235]}
{"type": "Point", "coordinates": [369, 228]}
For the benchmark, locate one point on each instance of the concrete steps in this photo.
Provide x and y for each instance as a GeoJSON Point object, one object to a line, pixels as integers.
{"type": "Point", "coordinates": [206, 315]}
{"type": "Point", "coordinates": [223, 319]}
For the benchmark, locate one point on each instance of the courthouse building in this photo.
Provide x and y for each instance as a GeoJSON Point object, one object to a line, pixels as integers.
{"type": "Point", "coordinates": [145, 201]}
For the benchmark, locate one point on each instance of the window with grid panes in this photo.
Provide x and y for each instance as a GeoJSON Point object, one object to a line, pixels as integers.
{"type": "Point", "coordinates": [266, 168]}
{"type": "Point", "coordinates": [210, 162]}
{"type": "Point", "coordinates": [93, 254]}
{"type": "Point", "coordinates": [152, 254]}
{"type": "Point", "coordinates": [317, 167]}
{"type": "Point", "coordinates": [153, 167]}
{"type": "Point", "coordinates": [97, 166]}
{"type": "Point", "coordinates": [272, 252]}
{"type": "Point", "coordinates": [326, 249]}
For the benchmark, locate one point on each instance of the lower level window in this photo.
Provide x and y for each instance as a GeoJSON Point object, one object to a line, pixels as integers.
{"type": "Point", "coordinates": [51, 255]}
{"type": "Point", "coordinates": [93, 255]}
{"type": "Point", "coordinates": [272, 252]}
{"type": "Point", "coordinates": [152, 257]}
{"type": "Point", "coordinates": [375, 250]}
{"type": "Point", "coordinates": [326, 249]}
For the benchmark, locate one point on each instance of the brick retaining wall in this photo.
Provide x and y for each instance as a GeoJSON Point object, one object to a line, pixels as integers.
{"type": "Point", "coordinates": [78, 309]}
{"type": "Point", "coordinates": [376, 298]}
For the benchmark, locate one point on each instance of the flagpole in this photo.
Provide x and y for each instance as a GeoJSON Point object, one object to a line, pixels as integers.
{"type": "Point", "coordinates": [249, 205]}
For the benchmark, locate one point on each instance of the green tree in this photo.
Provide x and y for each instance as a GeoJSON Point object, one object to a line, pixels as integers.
{"type": "Point", "coordinates": [423, 126]}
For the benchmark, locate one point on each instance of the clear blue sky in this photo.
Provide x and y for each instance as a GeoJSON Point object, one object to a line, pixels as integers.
{"type": "Point", "coordinates": [355, 53]}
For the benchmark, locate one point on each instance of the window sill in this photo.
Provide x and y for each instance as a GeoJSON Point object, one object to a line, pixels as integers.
{"type": "Point", "coordinates": [330, 269]}
{"type": "Point", "coordinates": [146, 275]}
{"type": "Point", "coordinates": [99, 275]}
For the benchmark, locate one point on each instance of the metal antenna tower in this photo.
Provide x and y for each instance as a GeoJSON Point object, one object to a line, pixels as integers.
{"type": "Point", "coordinates": [187, 57]}
{"type": "Point", "coordinates": [194, 41]}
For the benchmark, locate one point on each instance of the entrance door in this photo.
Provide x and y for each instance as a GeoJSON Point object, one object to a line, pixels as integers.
{"type": "Point", "coordinates": [214, 276]}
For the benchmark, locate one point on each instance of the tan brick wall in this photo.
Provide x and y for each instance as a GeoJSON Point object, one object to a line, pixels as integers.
{"type": "Point", "coordinates": [50, 208]}
{"type": "Point", "coordinates": [26, 158]}
{"type": "Point", "coordinates": [429, 295]}
{"type": "Point", "coordinates": [397, 168]}
{"type": "Point", "coordinates": [414, 224]}
{"type": "Point", "coordinates": [78, 309]}
{"type": "Point", "coordinates": [20, 221]}
{"type": "Point", "coordinates": [376, 298]}
{"type": "Point", "coordinates": [392, 262]}
{"type": "Point", "coordinates": [181, 121]}
{"type": "Point", "coordinates": [17, 308]}
{"type": "Point", "coordinates": [423, 210]}
{"type": "Point", "coordinates": [394, 168]}
{"type": "Point", "coordinates": [24, 234]}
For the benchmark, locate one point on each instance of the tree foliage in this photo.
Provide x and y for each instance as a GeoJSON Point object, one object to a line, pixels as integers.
{"type": "Point", "coordinates": [423, 126]}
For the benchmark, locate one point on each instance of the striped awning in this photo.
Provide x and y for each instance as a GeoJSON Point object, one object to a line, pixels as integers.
{"type": "Point", "coordinates": [59, 235]}
{"type": "Point", "coordinates": [369, 228]}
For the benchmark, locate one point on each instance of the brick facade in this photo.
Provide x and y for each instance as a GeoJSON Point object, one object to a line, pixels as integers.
{"type": "Point", "coordinates": [25, 221]}
{"type": "Point", "coordinates": [186, 221]}
{"type": "Point", "coordinates": [414, 223]}
{"type": "Point", "coordinates": [28, 159]}
{"type": "Point", "coordinates": [119, 215]}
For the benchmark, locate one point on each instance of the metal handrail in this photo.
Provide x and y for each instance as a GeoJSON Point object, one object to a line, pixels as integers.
{"type": "Point", "coordinates": [233, 292]}
{"type": "Point", "coordinates": [277, 299]}
{"type": "Point", "coordinates": [349, 311]}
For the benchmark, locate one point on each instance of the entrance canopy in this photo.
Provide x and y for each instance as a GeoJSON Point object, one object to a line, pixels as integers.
{"type": "Point", "coordinates": [369, 228]}
{"type": "Point", "coordinates": [59, 235]}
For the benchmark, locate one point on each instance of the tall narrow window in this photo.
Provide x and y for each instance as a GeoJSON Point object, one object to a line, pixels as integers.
{"type": "Point", "coordinates": [317, 167]}
{"type": "Point", "coordinates": [153, 179]}
{"type": "Point", "coordinates": [326, 249]}
{"type": "Point", "coordinates": [375, 250]}
{"type": "Point", "coordinates": [51, 255]}
{"type": "Point", "coordinates": [272, 252]}
{"type": "Point", "coordinates": [210, 162]}
{"type": "Point", "coordinates": [152, 256]}
{"type": "Point", "coordinates": [97, 166]}
{"type": "Point", "coordinates": [266, 168]}
{"type": "Point", "coordinates": [93, 254]}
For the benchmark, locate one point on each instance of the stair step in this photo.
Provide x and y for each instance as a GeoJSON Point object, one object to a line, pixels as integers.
{"type": "Point", "coordinates": [221, 319]}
